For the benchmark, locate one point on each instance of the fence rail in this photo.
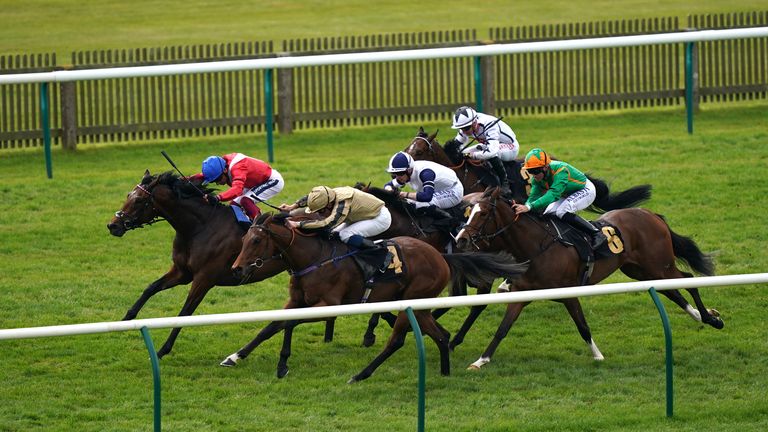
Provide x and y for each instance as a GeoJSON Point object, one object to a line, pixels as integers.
{"type": "Point", "coordinates": [364, 93]}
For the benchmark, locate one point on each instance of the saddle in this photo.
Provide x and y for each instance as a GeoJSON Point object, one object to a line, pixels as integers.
{"type": "Point", "coordinates": [241, 217]}
{"type": "Point", "coordinates": [381, 264]}
{"type": "Point", "coordinates": [572, 236]}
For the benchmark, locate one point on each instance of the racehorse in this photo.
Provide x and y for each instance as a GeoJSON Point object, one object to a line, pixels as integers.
{"type": "Point", "coordinates": [208, 239]}
{"type": "Point", "coordinates": [323, 275]}
{"type": "Point", "coordinates": [426, 147]}
{"type": "Point", "coordinates": [647, 249]}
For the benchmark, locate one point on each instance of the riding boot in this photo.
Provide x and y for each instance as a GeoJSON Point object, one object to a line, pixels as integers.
{"type": "Point", "coordinates": [598, 238]}
{"type": "Point", "coordinates": [440, 213]}
{"type": "Point", "coordinates": [361, 242]}
{"type": "Point", "coordinates": [501, 173]}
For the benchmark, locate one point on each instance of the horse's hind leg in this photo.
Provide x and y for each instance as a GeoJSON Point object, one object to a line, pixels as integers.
{"type": "Point", "coordinates": [708, 316]}
{"type": "Point", "coordinates": [395, 342]}
{"type": "Point", "coordinates": [369, 338]}
{"type": "Point", "coordinates": [441, 337]}
{"type": "Point", "coordinates": [577, 314]}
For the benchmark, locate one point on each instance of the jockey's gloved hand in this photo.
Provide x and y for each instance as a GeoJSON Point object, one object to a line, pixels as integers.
{"type": "Point", "coordinates": [212, 199]}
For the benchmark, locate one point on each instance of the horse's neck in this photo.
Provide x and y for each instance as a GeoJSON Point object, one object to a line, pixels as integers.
{"type": "Point", "coordinates": [441, 156]}
{"type": "Point", "coordinates": [301, 251]}
{"type": "Point", "coordinates": [187, 216]}
{"type": "Point", "coordinates": [524, 236]}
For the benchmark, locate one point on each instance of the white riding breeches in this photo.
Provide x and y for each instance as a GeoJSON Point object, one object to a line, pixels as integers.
{"type": "Point", "coordinates": [366, 228]}
{"type": "Point", "coordinates": [574, 202]}
{"type": "Point", "coordinates": [264, 191]}
{"type": "Point", "coordinates": [443, 199]}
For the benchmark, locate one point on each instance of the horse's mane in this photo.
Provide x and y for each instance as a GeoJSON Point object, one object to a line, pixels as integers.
{"type": "Point", "coordinates": [182, 188]}
{"type": "Point", "coordinates": [451, 149]}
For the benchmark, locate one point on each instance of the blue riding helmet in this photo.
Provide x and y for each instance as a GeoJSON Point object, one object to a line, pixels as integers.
{"type": "Point", "coordinates": [399, 162]}
{"type": "Point", "coordinates": [213, 167]}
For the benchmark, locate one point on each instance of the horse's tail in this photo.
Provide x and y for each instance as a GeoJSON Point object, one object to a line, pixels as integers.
{"type": "Point", "coordinates": [606, 201]}
{"type": "Point", "coordinates": [481, 269]}
{"type": "Point", "coordinates": [688, 251]}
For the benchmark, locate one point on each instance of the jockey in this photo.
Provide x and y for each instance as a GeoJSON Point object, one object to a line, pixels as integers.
{"type": "Point", "coordinates": [251, 180]}
{"type": "Point", "coordinates": [435, 185]}
{"type": "Point", "coordinates": [496, 142]}
{"type": "Point", "coordinates": [352, 213]}
{"type": "Point", "coordinates": [560, 189]}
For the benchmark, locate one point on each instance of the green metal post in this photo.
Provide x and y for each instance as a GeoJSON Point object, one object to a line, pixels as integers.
{"type": "Point", "coordinates": [45, 117]}
{"type": "Point", "coordinates": [478, 85]}
{"type": "Point", "coordinates": [668, 345]}
{"type": "Point", "coordinates": [155, 374]}
{"type": "Point", "coordinates": [422, 364]}
{"type": "Point", "coordinates": [689, 85]}
{"type": "Point", "coordinates": [270, 117]}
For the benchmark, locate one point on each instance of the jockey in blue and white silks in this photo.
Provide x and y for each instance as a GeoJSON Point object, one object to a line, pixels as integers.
{"type": "Point", "coordinates": [434, 184]}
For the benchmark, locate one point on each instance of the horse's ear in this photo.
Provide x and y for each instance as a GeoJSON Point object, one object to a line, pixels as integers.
{"type": "Point", "coordinates": [432, 137]}
{"type": "Point", "coordinates": [146, 173]}
{"type": "Point", "coordinates": [421, 130]}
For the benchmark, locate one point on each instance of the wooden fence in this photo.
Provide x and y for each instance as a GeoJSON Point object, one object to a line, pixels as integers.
{"type": "Point", "coordinates": [150, 108]}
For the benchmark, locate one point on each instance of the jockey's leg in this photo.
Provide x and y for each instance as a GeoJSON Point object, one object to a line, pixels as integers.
{"type": "Point", "coordinates": [501, 173]}
{"type": "Point", "coordinates": [251, 209]}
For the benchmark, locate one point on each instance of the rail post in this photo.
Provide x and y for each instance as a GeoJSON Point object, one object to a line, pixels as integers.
{"type": "Point", "coordinates": [422, 365]}
{"type": "Point", "coordinates": [45, 117]}
{"type": "Point", "coordinates": [668, 348]}
{"type": "Point", "coordinates": [269, 114]}
{"type": "Point", "coordinates": [155, 375]}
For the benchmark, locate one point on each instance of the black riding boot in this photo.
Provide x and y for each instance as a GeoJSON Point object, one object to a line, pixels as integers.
{"type": "Point", "coordinates": [501, 173]}
{"type": "Point", "coordinates": [361, 242]}
{"type": "Point", "coordinates": [598, 238]}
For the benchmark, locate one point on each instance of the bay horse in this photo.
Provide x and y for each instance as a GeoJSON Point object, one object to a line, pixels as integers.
{"type": "Point", "coordinates": [649, 250]}
{"type": "Point", "coordinates": [207, 241]}
{"type": "Point", "coordinates": [426, 147]}
{"type": "Point", "coordinates": [322, 274]}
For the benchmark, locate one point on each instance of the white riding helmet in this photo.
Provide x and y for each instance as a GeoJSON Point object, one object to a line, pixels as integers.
{"type": "Point", "coordinates": [400, 162]}
{"type": "Point", "coordinates": [463, 117]}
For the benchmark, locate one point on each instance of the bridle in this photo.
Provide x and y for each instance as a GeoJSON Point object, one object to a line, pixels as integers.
{"type": "Point", "coordinates": [131, 222]}
{"type": "Point", "coordinates": [476, 234]}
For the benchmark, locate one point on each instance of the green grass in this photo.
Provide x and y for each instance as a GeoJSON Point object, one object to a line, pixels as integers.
{"type": "Point", "coordinates": [63, 26]}
{"type": "Point", "coordinates": [61, 266]}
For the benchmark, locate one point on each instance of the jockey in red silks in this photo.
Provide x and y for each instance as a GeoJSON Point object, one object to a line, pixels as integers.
{"type": "Point", "coordinates": [251, 180]}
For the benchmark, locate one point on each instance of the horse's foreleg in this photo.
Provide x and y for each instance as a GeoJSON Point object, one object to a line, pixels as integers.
{"type": "Point", "coordinates": [369, 338]}
{"type": "Point", "coordinates": [441, 337]}
{"type": "Point", "coordinates": [474, 313]}
{"type": "Point", "coordinates": [172, 278]}
{"type": "Point", "coordinates": [330, 324]}
{"type": "Point", "coordinates": [195, 296]}
{"type": "Point", "coordinates": [267, 332]}
{"type": "Point", "coordinates": [513, 311]}
{"type": "Point", "coordinates": [577, 314]}
{"type": "Point", "coordinates": [285, 351]}
{"type": "Point", "coordinates": [395, 342]}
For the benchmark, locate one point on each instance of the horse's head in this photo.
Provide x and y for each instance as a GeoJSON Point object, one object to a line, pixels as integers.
{"type": "Point", "coordinates": [483, 221]}
{"type": "Point", "coordinates": [424, 147]}
{"type": "Point", "coordinates": [257, 249]}
{"type": "Point", "coordinates": [138, 209]}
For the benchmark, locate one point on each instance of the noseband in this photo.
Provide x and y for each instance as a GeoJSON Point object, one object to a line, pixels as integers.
{"type": "Point", "coordinates": [130, 222]}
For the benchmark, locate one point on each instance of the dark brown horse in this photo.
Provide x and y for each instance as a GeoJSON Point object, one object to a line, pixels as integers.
{"type": "Point", "coordinates": [207, 241]}
{"type": "Point", "coordinates": [647, 250]}
{"type": "Point", "coordinates": [426, 147]}
{"type": "Point", "coordinates": [323, 274]}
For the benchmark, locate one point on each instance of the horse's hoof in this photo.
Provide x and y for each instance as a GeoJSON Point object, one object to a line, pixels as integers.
{"type": "Point", "coordinates": [282, 372]}
{"type": "Point", "coordinates": [717, 323]}
{"type": "Point", "coordinates": [368, 341]}
{"type": "Point", "coordinates": [714, 312]}
{"type": "Point", "coordinates": [230, 361]}
{"type": "Point", "coordinates": [352, 380]}
{"type": "Point", "coordinates": [473, 367]}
